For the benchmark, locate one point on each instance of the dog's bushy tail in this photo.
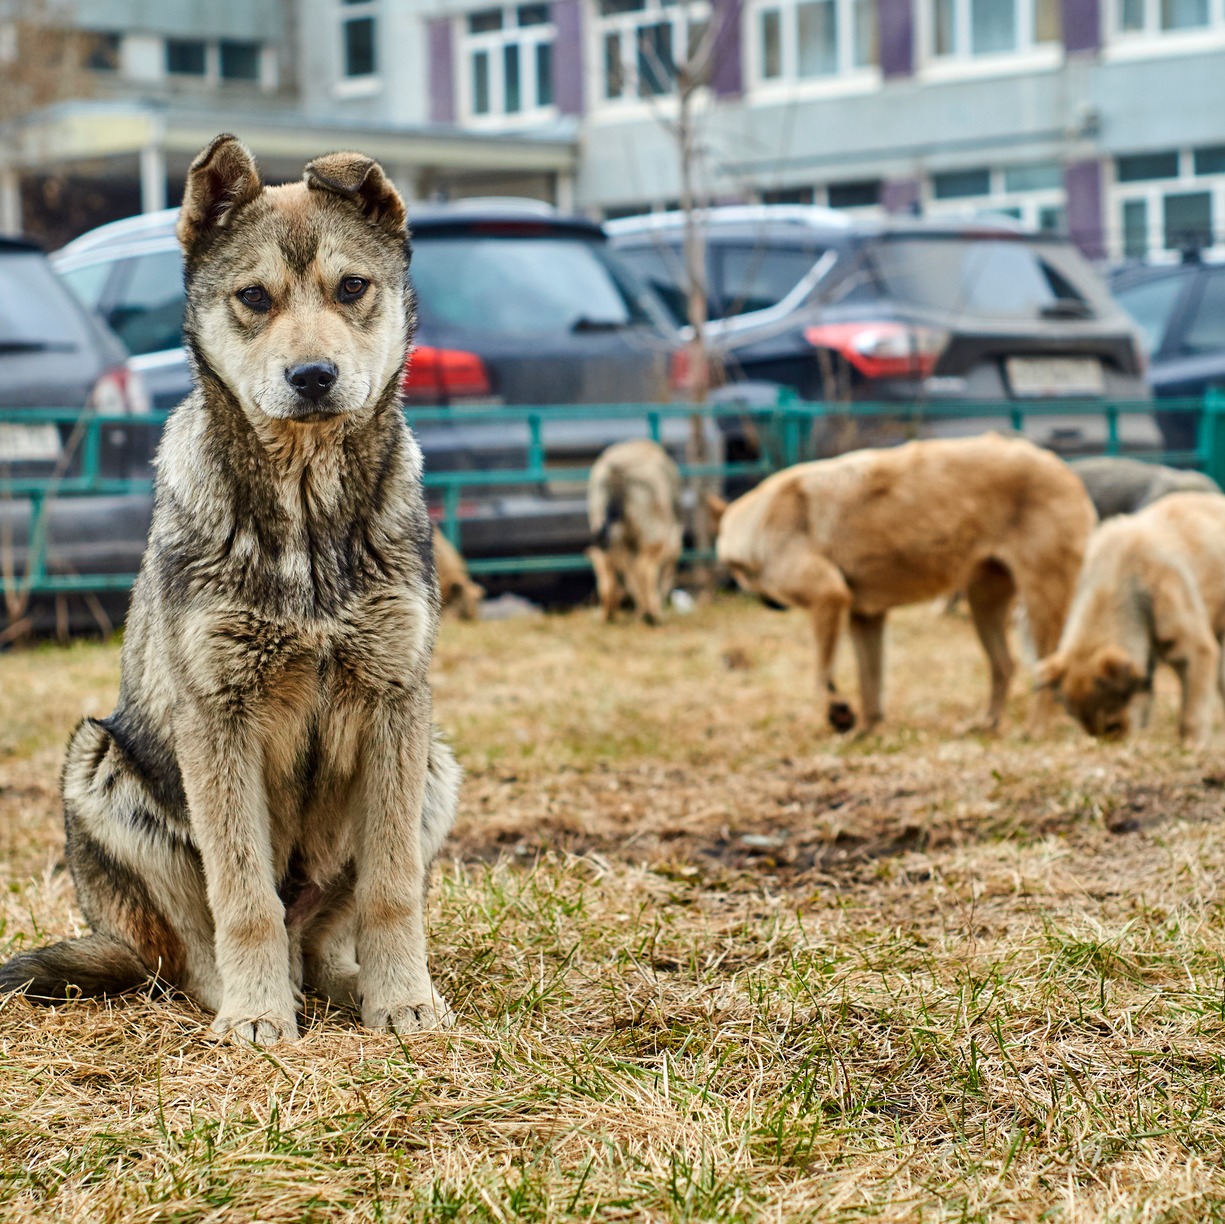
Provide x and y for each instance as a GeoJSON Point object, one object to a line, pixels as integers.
{"type": "Point", "coordinates": [94, 965]}
{"type": "Point", "coordinates": [614, 509]}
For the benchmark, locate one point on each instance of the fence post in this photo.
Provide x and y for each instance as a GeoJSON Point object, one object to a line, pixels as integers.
{"type": "Point", "coordinates": [1212, 435]}
{"type": "Point", "coordinates": [1112, 429]}
{"type": "Point", "coordinates": [789, 434]}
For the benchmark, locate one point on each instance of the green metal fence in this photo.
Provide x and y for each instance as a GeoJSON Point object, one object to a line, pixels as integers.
{"type": "Point", "coordinates": [786, 431]}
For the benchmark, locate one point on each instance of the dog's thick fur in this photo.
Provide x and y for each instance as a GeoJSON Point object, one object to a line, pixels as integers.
{"type": "Point", "coordinates": [260, 811]}
{"type": "Point", "coordinates": [875, 529]}
{"type": "Point", "coordinates": [1118, 485]}
{"type": "Point", "coordinates": [456, 587]}
{"type": "Point", "coordinates": [1152, 591]}
{"type": "Point", "coordinates": [633, 507]}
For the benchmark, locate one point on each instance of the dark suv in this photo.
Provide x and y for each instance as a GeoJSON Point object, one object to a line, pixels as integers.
{"type": "Point", "coordinates": [904, 310]}
{"type": "Point", "coordinates": [516, 305]}
{"type": "Point", "coordinates": [1180, 309]}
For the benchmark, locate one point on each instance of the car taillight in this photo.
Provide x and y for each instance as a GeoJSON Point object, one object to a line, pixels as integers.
{"type": "Point", "coordinates": [882, 350]}
{"type": "Point", "coordinates": [119, 391]}
{"type": "Point", "coordinates": [680, 370]}
{"type": "Point", "coordinates": [434, 374]}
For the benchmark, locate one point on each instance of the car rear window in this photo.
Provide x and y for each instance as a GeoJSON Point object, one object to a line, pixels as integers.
{"type": "Point", "coordinates": [522, 286]}
{"type": "Point", "coordinates": [1206, 333]}
{"type": "Point", "coordinates": [1151, 304]}
{"type": "Point", "coordinates": [36, 310]}
{"type": "Point", "coordinates": [992, 277]}
{"type": "Point", "coordinates": [757, 276]}
{"type": "Point", "coordinates": [147, 313]}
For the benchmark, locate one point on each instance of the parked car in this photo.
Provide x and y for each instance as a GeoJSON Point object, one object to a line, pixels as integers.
{"type": "Point", "coordinates": [905, 310]}
{"type": "Point", "coordinates": [1180, 310]}
{"type": "Point", "coordinates": [516, 304]}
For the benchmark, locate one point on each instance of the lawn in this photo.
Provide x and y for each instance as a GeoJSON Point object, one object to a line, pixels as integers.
{"type": "Point", "coordinates": [709, 962]}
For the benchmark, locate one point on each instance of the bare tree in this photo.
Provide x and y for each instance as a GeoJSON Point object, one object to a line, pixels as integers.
{"type": "Point", "coordinates": [43, 59]}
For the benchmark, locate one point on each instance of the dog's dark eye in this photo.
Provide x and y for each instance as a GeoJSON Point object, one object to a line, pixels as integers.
{"type": "Point", "coordinates": [255, 296]}
{"type": "Point", "coordinates": [352, 287]}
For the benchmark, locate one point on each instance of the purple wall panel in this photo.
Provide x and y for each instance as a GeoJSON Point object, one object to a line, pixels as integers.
{"type": "Point", "coordinates": [1083, 183]}
{"type": "Point", "coordinates": [1082, 25]}
{"type": "Point", "coordinates": [568, 57]}
{"type": "Point", "coordinates": [895, 20]}
{"type": "Point", "coordinates": [441, 69]}
{"type": "Point", "coordinates": [900, 195]}
{"type": "Point", "coordinates": [727, 75]}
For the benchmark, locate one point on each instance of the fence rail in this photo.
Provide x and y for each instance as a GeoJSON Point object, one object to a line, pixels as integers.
{"type": "Point", "coordinates": [785, 431]}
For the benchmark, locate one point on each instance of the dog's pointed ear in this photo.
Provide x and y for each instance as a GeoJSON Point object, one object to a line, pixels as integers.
{"type": "Point", "coordinates": [1114, 670]}
{"type": "Point", "coordinates": [716, 507]}
{"type": "Point", "coordinates": [221, 180]}
{"type": "Point", "coordinates": [1050, 672]}
{"type": "Point", "coordinates": [361, 180]}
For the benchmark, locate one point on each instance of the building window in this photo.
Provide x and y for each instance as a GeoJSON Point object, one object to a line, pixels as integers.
{"type": "Point", "coordinates": [509, 57]}
{"type": "Point", "coordinates": [641, 42]}
{"type": "Point", "coordinates": [963, 29]}
{"type": "Point", "coordinates": [1167, 202]}
{"type": "Point", "coordinates": [102, 54]}
{"type": "Point", "coordinates": [1165, 16]}
{"type": "Point", "coordinates": [811, 39]}
{"type": "Point", "coordinates": [1030, 192]}
{"type": "Point", "coordinates": [358, 39]}
{"type": "Point", "coordinates": [186, 57]}
{"type": "Point", "coordinates": [239, 60]}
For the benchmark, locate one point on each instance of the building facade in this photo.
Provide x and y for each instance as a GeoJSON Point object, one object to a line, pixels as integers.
{"type": "Point", "coordinates": [1101, 118]}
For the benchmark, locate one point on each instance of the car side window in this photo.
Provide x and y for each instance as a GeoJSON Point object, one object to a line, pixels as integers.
{"type": "Point", "coordinates": [147, 315]}
{"type": "Point", "coordinates": [1206, 333]}
{"type": "Point", "coordinates": [661, 266]}
{"type": "Point", "coordinates": [87, 283]}
{"type": "Point", "coordinates": [1151, 303]}
{"type": "Point", "coordinates": [759, 276]}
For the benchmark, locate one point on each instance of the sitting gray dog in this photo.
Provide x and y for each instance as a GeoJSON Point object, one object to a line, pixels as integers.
{"type": "Point", "coordinates": [1123, 486]}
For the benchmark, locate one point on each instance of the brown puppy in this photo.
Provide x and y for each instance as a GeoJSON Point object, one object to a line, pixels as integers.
{"type": "Point", "coordinates": [1152, 591]}
{"type": "Point", "coordinates": [260, 812]}
{"type": "Point", "coordinates": [454, 584]}
{"type": "Point", "coordinates": [633, 506]}
{"type": "Point", "coordinates": [876, 529]}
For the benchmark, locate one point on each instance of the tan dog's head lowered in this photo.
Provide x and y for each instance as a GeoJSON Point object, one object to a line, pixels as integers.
{"type": "Point", "coordinates": [298, 296]}
{"type": "Point", "coordinates": [1096, 688]}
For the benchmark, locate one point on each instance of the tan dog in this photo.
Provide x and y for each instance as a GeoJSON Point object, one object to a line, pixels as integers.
{"type": "Point", "coordinates": [876, 529]}
{"type": "Point", "coordinates": [1152, 591]}
{"type": "Point", "coordinates": [633, 506]}
{"type": "Point", "coordinates": [454, 584]}
{"type": "Point", "coordinates": [259, 813]}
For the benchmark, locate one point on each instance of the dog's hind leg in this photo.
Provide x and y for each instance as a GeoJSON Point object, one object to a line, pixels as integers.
{"type": "Point", "coordinates": [990, 593]}
{"type": "Point", "coordinates": [607, 582]}
{"type": "Point", "coordinates": [868, 639]}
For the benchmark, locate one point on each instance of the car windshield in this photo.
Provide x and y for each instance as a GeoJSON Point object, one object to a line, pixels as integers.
{"type": "Point", "coordinates": [1151, 303]}
{"type": "Point", "coordinates": [36, 311]}
{"type": "Point", "coordinates": [522, 285]}
{"type": "Point", "coordinates": [994, 277]}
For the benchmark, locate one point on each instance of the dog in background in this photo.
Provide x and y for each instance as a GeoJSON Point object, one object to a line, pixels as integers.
{"type": "Point", "coordinates": [633, 508]}
{"type": "Point", "coordinates": [1152, 591]}
{"type": "Point", "coordinates": [260, 812]}
{"type": "Point", "coordinates": [456, 587]}
{"type": "Point", "coordinates": [872, 530]}
{"type": "Point", "coordinates": [1120, 485]}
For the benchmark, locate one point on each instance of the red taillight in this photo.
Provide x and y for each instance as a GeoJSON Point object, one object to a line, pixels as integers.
{"type": "Point", "coordinates": [882, 350]}
{"type": "Point", "coordinates": [435, 374]}
{"type": "Point", "coordinates": [680, 370]}
{"type": "Point", "coordinates": [120, 390]}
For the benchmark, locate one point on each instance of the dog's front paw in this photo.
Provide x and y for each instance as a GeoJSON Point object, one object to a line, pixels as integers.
{"type": "Point", "coordinates": [256, 1030]}
{"type": "Point", "coordinates": [404, 1018]}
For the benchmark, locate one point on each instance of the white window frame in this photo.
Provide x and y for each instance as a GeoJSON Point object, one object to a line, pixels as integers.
{"type": "Point", "coordinates": [345, 86]}
{"type": "Point", "coordinates": [998, 199]}
{"type": "Point", "coordinates": [1153, 193]}
{"type": "Point", "coordinates": [1152, 27]}
{"type": "Point", "coordinates": [493, 43]}
{"type": "Point", "coordinates": [846, 78]}
{"type": "Point", "coordinates": [1152, 40]}
{"type": "Point", "coordinates": [625, 25]}
{"type": "Point", "coordinates": [963, 61]}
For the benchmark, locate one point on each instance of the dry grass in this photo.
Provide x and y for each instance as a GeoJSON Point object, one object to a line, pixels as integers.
{"type": "Point", "coordinates": [709, 964]}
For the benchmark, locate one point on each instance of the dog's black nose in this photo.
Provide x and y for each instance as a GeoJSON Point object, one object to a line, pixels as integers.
{"type": "Point", "coordinates": [312, 380]}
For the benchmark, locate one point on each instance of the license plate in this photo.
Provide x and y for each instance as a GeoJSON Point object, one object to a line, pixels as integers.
{"type": "Point", "coordinates": [29, 443]}
{"type": "Point", "coordinates": [1055, 376]}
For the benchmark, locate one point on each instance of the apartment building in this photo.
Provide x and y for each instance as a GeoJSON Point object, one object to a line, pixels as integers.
{"type": "Point", "coordinates": [1098, 117]}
